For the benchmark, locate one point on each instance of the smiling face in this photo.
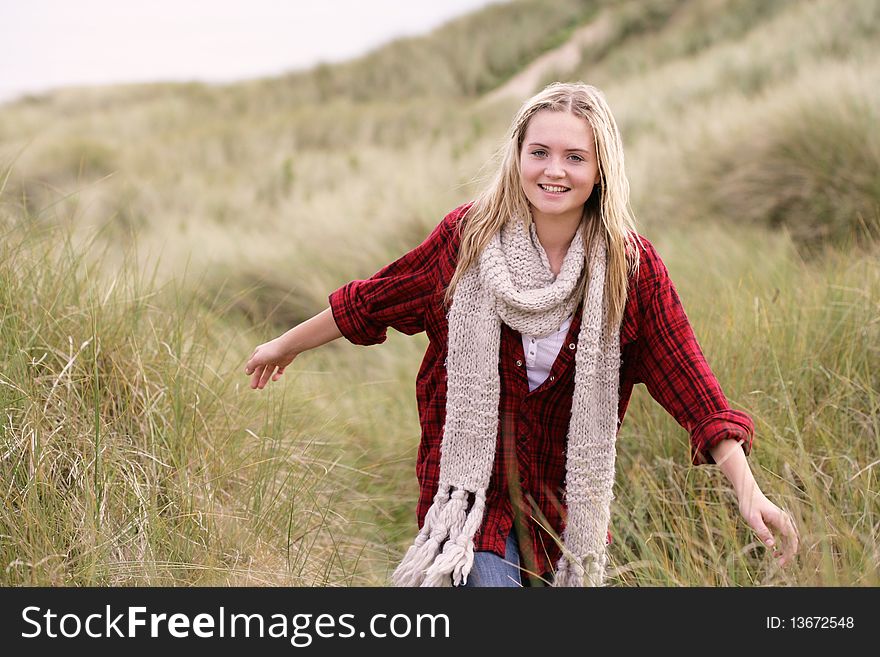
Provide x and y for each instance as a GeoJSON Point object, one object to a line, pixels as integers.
{"type": "Point", "coordinates": [558, 166]}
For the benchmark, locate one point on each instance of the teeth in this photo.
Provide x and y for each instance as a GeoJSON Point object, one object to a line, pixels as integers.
{"type": "Point", "coordinates": [553, 188]}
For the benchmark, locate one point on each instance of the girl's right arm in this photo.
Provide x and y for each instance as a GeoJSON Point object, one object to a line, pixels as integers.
{"type": "Point", "coordinates": [281, 351]}
{"type": "Point", "coordinates": [360, 311]}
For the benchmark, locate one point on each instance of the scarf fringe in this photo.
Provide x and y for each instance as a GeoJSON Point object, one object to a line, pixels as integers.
{"type": "Point", "coordinates": [450, 526]}
{"type": "Point", "coordinates": [587, 571]}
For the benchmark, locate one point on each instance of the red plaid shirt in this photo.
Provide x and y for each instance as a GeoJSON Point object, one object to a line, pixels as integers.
{"type": "Point", "coordinates": [658, 348]}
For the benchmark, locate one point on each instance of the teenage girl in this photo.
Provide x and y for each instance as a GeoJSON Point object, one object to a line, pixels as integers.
{"type": "Point", "coordinates": [543, 307]}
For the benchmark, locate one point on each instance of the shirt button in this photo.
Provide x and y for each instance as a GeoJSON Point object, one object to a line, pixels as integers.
{"type": "Point", "coordinates": [572, 345]}
{"type": "Point", "coordinates": [519, 363]}
{"type": "Point", "coordinates": [552, 378]}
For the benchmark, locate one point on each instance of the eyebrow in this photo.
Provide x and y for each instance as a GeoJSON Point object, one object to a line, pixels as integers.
{"type": "Point", "coordinates": [534, 143]}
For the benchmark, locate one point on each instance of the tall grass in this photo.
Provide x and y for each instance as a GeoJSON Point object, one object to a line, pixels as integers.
{"type": "Point", "coordinates": [801, 159]}
{"type": "Point", "coordinates": [809, 165]}
{"type": "Point", "coordinates": [796, 344]}
{"type": "Point", "coordinates": [129, 453]}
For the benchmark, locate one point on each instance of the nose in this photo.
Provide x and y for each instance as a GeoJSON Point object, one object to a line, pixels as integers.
{"type": "Point", "coordinates": [553, 170]}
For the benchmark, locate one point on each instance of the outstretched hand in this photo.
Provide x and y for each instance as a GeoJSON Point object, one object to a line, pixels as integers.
{"type": "Point", "coordinates": [268, 363]}
{"type": "Point", "coordinates": [769, 523]}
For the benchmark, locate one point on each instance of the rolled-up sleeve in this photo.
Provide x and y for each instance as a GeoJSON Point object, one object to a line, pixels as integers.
{"type": "Point", "coordinates": [673, 368]}
{"type": "Point", "coordinates": [395, 296]}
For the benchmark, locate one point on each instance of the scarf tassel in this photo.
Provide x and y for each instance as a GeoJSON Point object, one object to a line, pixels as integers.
{"type": "Point", "coordinates": [588, 571]}
{"type": "Point", "coordinates": [450, 526]}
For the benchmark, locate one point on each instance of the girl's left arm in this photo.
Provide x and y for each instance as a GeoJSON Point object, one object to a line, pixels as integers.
{"type": "Point", "coordinates": [675, 371]}
{"type": "Point", "coordinates": [760, 513]}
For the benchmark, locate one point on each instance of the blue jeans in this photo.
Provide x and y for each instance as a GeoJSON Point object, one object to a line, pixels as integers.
{"type": "Point", "coordinates": [491, 570]}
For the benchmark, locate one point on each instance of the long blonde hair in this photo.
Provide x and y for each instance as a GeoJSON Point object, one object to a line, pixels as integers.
{"type": "Point", "coordinates": [606, 213]}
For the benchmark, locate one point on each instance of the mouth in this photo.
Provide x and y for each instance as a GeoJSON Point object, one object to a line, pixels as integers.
{"type": "Point", "coordinates": [554, 190]}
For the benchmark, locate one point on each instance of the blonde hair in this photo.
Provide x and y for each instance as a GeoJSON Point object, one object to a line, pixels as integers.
{"type": "Point", "coordinates": [606, 213]}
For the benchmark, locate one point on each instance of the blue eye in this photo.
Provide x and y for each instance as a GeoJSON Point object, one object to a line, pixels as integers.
{"type": "Point", "coordinates": [538, 151]}
{"type": "Point", "coordinates": [579, 158]}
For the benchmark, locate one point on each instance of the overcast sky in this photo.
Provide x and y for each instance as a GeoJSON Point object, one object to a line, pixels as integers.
{"type": "Point", "coordinates": [51, 43]}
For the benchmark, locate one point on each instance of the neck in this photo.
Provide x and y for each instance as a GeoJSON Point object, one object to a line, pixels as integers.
{"type": "Point", "coordinates": [556, 233]}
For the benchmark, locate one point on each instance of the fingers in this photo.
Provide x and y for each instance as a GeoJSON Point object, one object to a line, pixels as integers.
{"type": "Point", "coordinates": [787, 531]}
{"type": "Point", "coordinates": [765, 535]}
{"type": "Point", "coordinates": [261, 376]}
{"type": "Point", "coordinates": [261, 367]}
{"type": "Point", "coordinates": [762, 531]}
{"type": "Point", "coordinates": [258, 373]}
{"type": "Point", "coordinates": [267, 374]}
{"type": "Point", "coordinates": [761, 511]}
{"type": "Point", "coordinates": [249, 366]}
{"type": "Point", "coordinates": [789, 536]}
{"type": "Point", "coordinates": [261, 372]}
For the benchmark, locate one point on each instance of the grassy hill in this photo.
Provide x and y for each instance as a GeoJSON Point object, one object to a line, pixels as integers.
{"type": "Point", "coordinates": [154, 234]}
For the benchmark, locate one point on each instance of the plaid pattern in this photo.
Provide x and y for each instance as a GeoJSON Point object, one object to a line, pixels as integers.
{"type": "Point", "coordinates": [658, 348]}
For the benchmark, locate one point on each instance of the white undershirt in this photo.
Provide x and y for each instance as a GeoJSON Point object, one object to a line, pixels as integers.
{"type": "Point", "coordinates": [541, 354]}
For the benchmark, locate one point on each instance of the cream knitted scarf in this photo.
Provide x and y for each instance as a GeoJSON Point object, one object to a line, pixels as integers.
{"type": "Point", "coordinates": [514, 284]}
